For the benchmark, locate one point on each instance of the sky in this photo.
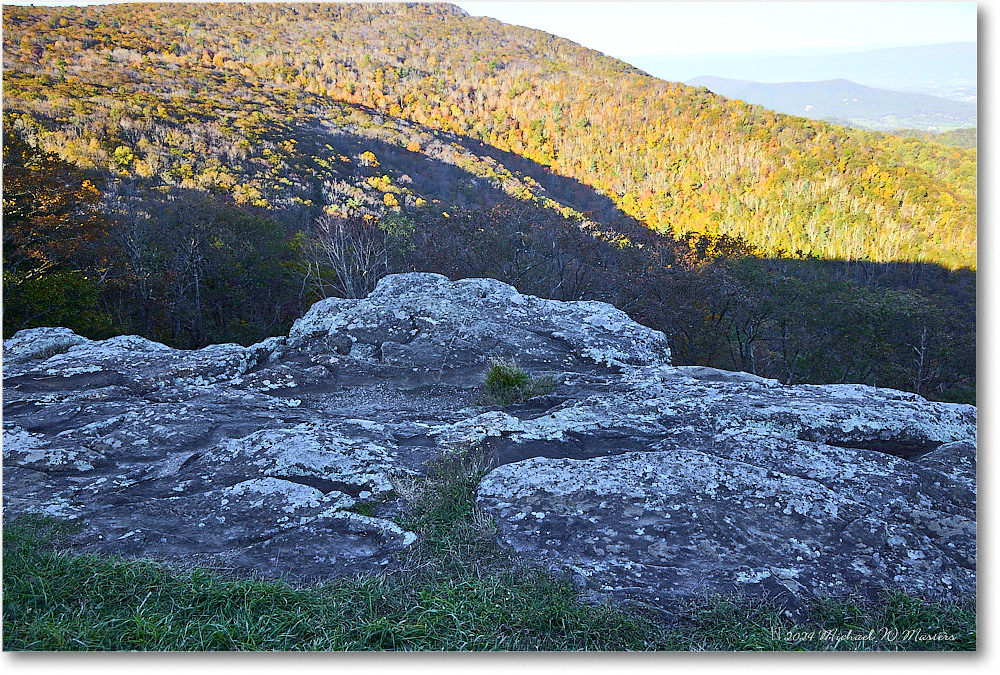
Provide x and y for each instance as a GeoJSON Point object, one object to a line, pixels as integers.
{"type": "Point", "coordinates": [635, 29]}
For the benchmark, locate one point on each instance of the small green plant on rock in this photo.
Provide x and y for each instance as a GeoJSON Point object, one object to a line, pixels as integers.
{"type": "Point", "coordinates": [506, 383]}
{"type": "Point", "coordinates": [50, 351]}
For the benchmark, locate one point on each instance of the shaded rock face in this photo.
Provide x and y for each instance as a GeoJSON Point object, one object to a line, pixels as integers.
{"type": "Point", "coordinates": [640, 479]}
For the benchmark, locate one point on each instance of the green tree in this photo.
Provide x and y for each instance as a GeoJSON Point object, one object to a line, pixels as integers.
{"type": "Point", "coordinates": [54, 253]}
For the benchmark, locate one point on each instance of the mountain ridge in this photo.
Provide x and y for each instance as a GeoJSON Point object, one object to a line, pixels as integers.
{"type": "Point", "coordinates": [205, 180]}
{"type": "Point", "coordinates": [844, 101]}
{"type": "Point", "coordinates": [678, 160]}
{"type": "Point", "coordinates": [945, 69]}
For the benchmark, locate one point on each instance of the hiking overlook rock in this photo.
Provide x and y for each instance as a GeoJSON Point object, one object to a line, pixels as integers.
{"type": "Point", "coordinates": [639, 479]}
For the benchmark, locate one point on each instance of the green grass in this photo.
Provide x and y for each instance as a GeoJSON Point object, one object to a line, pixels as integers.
{"type": "Point", "coordinates": [456, 589]}
{"type": "Point", "coordinates": [506, 382]}
{"type": "Point", "coordinates": [892, 622]}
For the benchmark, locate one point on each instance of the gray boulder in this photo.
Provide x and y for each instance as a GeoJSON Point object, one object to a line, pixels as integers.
{"type": "Point", "coordinates": [428, 322]}
{"type": "Point", "coordinates": [642, 480]}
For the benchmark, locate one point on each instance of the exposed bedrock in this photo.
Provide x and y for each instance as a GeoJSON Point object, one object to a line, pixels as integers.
{"type": "Point", "coordinates": [640, 479]}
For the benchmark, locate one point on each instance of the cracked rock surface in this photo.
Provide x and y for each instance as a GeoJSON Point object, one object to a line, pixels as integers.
{"type": "Point", "coordinates": [640, 479]}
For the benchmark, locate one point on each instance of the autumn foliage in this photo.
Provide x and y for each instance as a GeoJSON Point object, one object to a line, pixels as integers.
{"type": "Point", "coordinates": [220, 97]}
{"type": "Point", "coordinates": [201, 173]}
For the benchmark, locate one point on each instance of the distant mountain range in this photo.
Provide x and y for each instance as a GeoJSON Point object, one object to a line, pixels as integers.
{"type": "Point", "coordinates": [947, 70]}
{"type": "Point", "coordinates": [847, 102]}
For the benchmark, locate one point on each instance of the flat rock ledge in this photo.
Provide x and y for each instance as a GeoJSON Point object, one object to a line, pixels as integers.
{"type": "Point", "coordinates": [643, 481]}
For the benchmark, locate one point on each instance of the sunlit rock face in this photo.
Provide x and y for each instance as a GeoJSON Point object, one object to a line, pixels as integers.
{"type": "Point", "coordinates": [639, 479]}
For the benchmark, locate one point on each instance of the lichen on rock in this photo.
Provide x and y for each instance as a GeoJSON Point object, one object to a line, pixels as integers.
{"type": "Point", "coordinates": [639, 478]}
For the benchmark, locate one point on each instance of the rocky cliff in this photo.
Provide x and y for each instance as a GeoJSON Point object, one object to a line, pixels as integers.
{"type": "Point", "coordinates": [640, 479]}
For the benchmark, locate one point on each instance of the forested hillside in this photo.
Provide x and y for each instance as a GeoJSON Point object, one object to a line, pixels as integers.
{"type": "Point", "coordinates": [202, 173]}
{"type": "Point", "coordinates": [219, 96]}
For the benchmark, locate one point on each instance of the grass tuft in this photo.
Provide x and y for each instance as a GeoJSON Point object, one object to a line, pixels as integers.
{"type": "Point", "coordinates": [455, 535]}
{"type": "Point", "coordinates": [506, 382]}
{"type": "Point", "coordinates": [51, 351]}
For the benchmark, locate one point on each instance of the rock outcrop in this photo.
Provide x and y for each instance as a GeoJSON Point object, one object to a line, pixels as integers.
{"type": "Point", "coordinates": [640, 479]}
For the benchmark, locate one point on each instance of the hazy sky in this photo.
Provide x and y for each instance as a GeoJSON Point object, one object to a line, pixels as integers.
{"type": "Point", "coordinates": [630, 29]}
{"type": "Point", "coordinates": [636, 29]}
